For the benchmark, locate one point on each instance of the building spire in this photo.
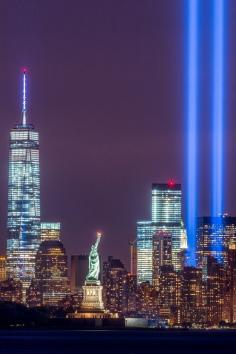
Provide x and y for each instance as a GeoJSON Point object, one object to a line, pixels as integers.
{"type": "Point", "coordinates": [24, 98]}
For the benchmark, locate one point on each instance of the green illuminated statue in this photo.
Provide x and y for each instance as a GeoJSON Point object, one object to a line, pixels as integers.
{"type": "Point", "coordinates": [94, 263]}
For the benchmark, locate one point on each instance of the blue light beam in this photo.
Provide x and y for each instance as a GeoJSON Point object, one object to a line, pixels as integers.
{"type": "Point", "coordinates": [217, 108]}
{"type": "Point", "coordinates": [192, 126]}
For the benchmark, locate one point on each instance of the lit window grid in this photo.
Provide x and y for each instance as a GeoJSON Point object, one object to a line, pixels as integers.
{"type": "Point", "coordinates": [166, 205]}
{"type": "Point", "coordinates": [145, 231]}
{"type": "Point", "coordinates": [213, 238]}
{"type": "Point", "coordinates": [23, 204]}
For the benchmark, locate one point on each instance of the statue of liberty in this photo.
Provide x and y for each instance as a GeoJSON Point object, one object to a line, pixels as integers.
{"type": "Point", "coordinates": [94, 263]}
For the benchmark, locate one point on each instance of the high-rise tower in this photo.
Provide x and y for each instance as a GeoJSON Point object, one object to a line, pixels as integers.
{"type": "Point", "coordinates": [23, 223]}
{"type": "Point", "coordinates": [167, 215]}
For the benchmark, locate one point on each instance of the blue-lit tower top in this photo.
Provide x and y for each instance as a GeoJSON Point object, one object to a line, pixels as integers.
{"type": "Point", "coordinates": [23, 222]}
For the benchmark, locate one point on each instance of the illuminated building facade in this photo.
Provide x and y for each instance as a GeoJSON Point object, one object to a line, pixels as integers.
{"type": "Point", "coordinates": [167, 215]}
{"type": "Point", "coordinates": [231, 273]}
{"type": "Point", "coordinates": [169, 294]}
{"type": "Point", "coordinates": [214, 290]}
{"type": "Point", "coordinates": [131, 293]}
{"type": "Point", "coordinates": [50, 231]}
{"type": "Point", "coordinates": [3, 273]}
{"type": "Point", "coordinates": [23, 221]}
{"type": "Point", "coordinates": [147, 301]}
{"type": "Point", "coordinates": [145, 231]}
{"type": "Point", "coordinates": [50, 285]}
{"type": "Point", "coordinates": [192, 310]}
{"type": "Point", "coordinates": [162, 254]}
{"type": "Point", "coordinates": [11, 290]}
{"type": "Point", "coordinates": [115, 286]}
{"type": "Point", "coordinates": [213, 237]}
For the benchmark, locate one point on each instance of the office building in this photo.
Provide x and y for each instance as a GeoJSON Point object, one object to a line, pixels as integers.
{"type": "Point", "coordinates": [23, 222]}
{"type": "Point", "coordinates": [11, 290]}
{"type": "Point", "coordinates": [147, 301]}
{"type": "Point", "coordinates": [50, 286]}
{"type": "Point", "coordinates": [162, 254]}
{"type": "Point", "coordinates": [115, 286]}
{"type": "Point", "coordinates": [169, 294]}
{"type": "Point", "coordinates": [231, 273]}
{"type": "Point", "coordinates": [79, 270]}
{"type": "Point", "coordinates": [3, 274]}
{"type": "Point", "coordinates": [50, 231]}
{"type": "Point", "coordinates": [193, 309]}
{"type": "Point", "coordinates": [133, 257]}
{"type": "Point", "coordinates": [213, 237]}
{"type": "Point", "coordinates": [167, 215]}
{"type": "Point", "coordinates": [214, 290]}
{"type": "Point", "coordinates": [145, 231]}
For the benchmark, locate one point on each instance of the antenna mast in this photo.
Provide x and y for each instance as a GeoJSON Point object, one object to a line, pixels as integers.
{"type": "Point", "coordinates": [24, 98]}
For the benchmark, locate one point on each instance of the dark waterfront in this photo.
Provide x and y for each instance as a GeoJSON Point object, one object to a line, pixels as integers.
{"type": "Point", "coordinates": [123, 342]}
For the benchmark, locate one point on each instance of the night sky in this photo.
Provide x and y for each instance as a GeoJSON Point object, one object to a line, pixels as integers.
{"type": "Point", "coordinates": [107, 94]}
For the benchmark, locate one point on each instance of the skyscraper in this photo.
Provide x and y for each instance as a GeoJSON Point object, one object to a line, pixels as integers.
{"type": "Point", "coordinates": [50, 231]}
{"type": "Point", "coordinates": [133, 257]}
{"type": "Point", "coordinates": [23, 221]}
{"type": "Point", "coordinates": [145, 231]}
{"type": "Point", "coordinates": [79, 270]}
{"type": "Point", "coordinates": [166, 217]}
{"type": "Point", "coordinates": [214, 235]}
{"type": "Point", "coordinates": [115, 285]}
{"type": "Point", "coordinates": [162, 254]}
{"type": "Point", "coordinates": [167, 214]}
{"type": "Point", "coordinates": [2, 268]}
{"type": "Point", "coordinates": [50, 285]}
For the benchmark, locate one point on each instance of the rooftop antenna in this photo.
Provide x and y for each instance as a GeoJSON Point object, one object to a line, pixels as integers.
{"type": "Point", "coordinates": [24, 97]}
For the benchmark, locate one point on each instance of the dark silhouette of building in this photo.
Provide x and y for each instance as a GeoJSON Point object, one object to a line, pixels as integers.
{"type": "Point", "coordinates": [79, 270]}
{"type": "Point", "coordinates": [133, 257]}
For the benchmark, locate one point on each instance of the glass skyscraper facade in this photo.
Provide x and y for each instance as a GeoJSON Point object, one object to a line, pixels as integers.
{"type": "Point", "coordinates": [145, 231]}
{"type": "Point", "coordinates": [167, 215]}
{"type": "Point", "coordinates": [23, 221]}
{"type": "Point", "coordinates": [50, 231]}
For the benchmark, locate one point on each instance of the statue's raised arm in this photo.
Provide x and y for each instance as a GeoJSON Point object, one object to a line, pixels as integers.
{"type": "Point", "coordinates": [94, 263]}
{"type": "Point", "coordinates": [99, 235]}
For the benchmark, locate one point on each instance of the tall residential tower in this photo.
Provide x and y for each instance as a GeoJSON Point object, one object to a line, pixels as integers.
{"type": "Point", "coordinates": [23, 221]}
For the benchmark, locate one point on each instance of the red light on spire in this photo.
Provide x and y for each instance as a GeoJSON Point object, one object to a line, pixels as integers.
{"type": "Point", "coordinates": [24, 70]}
{"type": "Point", "coordinates": [171, 183]}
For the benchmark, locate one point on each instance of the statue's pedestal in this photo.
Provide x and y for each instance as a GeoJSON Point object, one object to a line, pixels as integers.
{"type": "Point", "coordinates": [92, 305]}
{"type": "Point", "coordinates": [92, 296]}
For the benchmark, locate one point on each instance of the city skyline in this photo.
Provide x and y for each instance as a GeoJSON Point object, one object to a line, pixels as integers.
{"type": "Point", "coordinates": [120, 207]}
{"type": "Point", "coordinates": [98, 156]}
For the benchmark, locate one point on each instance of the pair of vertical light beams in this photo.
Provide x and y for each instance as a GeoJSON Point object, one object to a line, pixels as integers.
{"type": "Point", "coordinates": [193, 115]}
